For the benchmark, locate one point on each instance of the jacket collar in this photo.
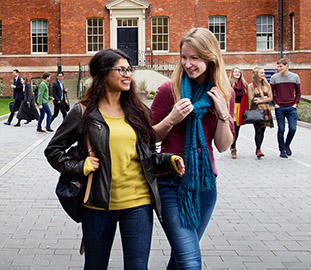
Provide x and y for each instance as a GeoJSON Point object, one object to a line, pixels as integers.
{"type": "Point", "coordinates": [96, 115]}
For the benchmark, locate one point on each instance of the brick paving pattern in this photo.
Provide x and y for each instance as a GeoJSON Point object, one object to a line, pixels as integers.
{"type": "Point", "coordinates": [262, 218]}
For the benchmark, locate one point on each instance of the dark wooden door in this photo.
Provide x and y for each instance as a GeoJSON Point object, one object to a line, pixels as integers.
{"type": "Point", "coordinates": [127, 41]}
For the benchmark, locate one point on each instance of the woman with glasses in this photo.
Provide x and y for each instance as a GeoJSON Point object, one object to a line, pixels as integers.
{"type": "Point", "coordinates": [190, 112]}
{"type": "Point", "coordinates": [124, 188]}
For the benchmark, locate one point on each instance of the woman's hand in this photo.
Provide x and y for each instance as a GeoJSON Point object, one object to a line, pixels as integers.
{"type": "Point", "coordinates": [220, 102]}
{"type": "Point", "coordinates": [180, 165]}
{"type": "Point", "coordinates": [95, 162]}
{"type": "Point", "coordinates": [180, 110]}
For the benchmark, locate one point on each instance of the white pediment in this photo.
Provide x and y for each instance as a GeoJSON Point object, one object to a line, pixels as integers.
{"type": "Point", "coordinates": [127, 4]}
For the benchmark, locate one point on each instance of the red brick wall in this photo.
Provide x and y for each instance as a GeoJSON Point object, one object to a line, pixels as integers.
{"type": "Point", "coordinates": [73, 23]}
{"type": "Point", "coordinates": [68, 18]}
{"type": "Point", "coordinates": [16, 16]}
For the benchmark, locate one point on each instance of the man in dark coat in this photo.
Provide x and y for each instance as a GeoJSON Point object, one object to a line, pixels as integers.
{"type": "Point", "coordinates": [59, 92]}
{"type": "Point", "coordinates": [18, 95]}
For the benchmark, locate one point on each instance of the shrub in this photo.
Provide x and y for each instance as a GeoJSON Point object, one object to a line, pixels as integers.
{"type": "Point", "coordinates": [304, 112]}
{"type": "Point", "coordinates": [142, 86]}
{"type": "Point", "coordinates": [2, 87]}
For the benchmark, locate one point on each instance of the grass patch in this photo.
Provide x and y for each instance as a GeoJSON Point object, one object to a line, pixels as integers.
{"type": "Point", "coordinates": [4, 105]}
{"type": "Point", "coordinates": [304, 111]}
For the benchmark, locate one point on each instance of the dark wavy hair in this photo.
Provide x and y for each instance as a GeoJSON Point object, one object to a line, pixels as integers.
{"type": "Point", "coordinates": [136, 112]}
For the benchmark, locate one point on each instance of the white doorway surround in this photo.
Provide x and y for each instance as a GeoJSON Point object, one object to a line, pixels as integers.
{"type": "Point", "coordinates": [128, 9]}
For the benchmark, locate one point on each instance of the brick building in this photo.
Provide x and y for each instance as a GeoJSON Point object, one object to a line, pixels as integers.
{"type": "Point", "coordinates": [39, 36]}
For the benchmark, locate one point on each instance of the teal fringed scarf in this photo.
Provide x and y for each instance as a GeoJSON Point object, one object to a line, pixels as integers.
{"type": "Point", "coordinates": [199, 175]}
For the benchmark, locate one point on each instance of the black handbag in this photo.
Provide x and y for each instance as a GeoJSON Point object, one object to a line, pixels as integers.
{"type": "Point", "coordinates": [66, 102]}
{"type": "Point", "coordinates": [72, 191]}
{"type": "Point", "coordinates": [254, 116]}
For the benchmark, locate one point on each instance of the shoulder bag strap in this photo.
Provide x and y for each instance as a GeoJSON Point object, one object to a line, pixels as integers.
{"type": "Point", "coordinates": [91, 153]}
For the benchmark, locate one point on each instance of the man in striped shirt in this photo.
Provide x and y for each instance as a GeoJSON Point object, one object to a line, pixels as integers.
{"type": "Point", "coordinates": [286, 96]}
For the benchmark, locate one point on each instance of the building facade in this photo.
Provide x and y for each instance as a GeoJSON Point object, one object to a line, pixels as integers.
{"type": "Point", "coordinates": [49, 35]}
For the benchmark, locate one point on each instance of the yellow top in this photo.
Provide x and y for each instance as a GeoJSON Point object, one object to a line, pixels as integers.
{"type": "Point", "coordinates": [129, 187]}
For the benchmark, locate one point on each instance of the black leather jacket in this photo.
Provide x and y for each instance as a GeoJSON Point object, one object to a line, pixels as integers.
{"type": "Point", "coordinates": [67, 134]}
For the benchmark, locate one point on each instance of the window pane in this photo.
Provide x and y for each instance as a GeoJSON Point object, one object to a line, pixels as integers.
{"type": "Point", "coordinates": [265, 33]}
{"type": "Point", "coordinates": [39, 34]}
{"type": "Point", "coordinates": [160, 33]}
{"type": "Point", "coordinates": [217, 25]}
{"type": "Point", "coordinates": [95, 34]}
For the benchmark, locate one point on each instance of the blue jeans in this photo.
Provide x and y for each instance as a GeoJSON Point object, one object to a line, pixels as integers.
{"type": "Point", "coordinates": [99, 227]}
{"type": "Point", "coordinates": [185, 248]}
{"type": "Point", "coordinates": [45, 109]}
{"type": "Point", "coordinates": [291, 114]}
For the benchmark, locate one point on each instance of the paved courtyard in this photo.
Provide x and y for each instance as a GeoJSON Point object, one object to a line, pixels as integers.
{"type": "Point", "coordinates": [262, 218]}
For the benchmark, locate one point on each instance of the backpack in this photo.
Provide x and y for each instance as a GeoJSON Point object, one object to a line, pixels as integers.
{"type": "Point", "coordinates": [35, 93]}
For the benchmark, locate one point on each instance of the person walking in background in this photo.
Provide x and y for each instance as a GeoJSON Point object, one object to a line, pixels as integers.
{"type": "Point", "coordinates": [260, 94]}
{"type": "Point", "coordinates": [240, 86]}
{"type": "Point", "coordinates": [188, 113]}
{"type": "Point", "coordinates": [59, 92]}
{"type": "Point", "coordinates": [27, 110]}
{"type": "Point", "coordinates": [286, 96]}
{"type": "Point", "coordinates": [124, 188]}
{"type": "Point", "coordinates": [42, 101]}
{"type": "Point", "coordinates": [18, 96]}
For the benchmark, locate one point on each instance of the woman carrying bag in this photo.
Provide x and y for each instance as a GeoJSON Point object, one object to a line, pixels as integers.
{"type": "Point", "coordinates": [260, 94]}
{"type": "Point", "coordinates": [124, 188]}
{"type": "Point", "coordinates": [27, 110]}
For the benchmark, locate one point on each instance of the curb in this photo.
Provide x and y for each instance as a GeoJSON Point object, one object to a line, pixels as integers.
{"type": "Point", "coordinates": [304, 124]}
{"type": "Point", "coordinates": [2, 117]}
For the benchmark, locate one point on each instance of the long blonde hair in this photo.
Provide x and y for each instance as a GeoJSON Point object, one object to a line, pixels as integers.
{"type": "Point", "coordinates": [207, 46]}
{"type": "Point", "coordinates": [262, 84]}
{"type": "Point", "coordinates": [234, 80]}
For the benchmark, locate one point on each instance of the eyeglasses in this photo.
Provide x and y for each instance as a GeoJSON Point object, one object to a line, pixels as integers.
{"type": "Point", "coordinates": [124, 71]}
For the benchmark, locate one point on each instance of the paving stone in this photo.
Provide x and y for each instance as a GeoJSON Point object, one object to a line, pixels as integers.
{"type": "Point", "coordinates": [262, 218]}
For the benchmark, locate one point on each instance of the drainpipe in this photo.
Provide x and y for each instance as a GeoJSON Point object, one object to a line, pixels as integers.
{"type": "Point", "coordinates": [281, 28]}
{"type": "Point", "coordinates": [59, 61]}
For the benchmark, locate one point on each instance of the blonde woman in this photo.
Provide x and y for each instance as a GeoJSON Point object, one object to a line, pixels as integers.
{"type": "Point", "coordinates": [259, 92]}
{"type": "Point", "coordinates": [239, 84]}
{"type": "Point", "coordinates": [188, 113]}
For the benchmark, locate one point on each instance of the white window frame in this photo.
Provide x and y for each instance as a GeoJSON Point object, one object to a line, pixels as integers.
{"type": "Point", "coordinates": [217, 21]}
{"type": "Point", "coordinates": [292, 20]}
{"type": "Point", "coordinates": [163, 42]}
{"type": "Point", "coordinates": [98, 35]}
{"type": "Point", "coordinates": [127, 22]}
{"type": "Point", "coordinates": [42, 35]}
{"type": "Point", "coordinates": [264, 36]}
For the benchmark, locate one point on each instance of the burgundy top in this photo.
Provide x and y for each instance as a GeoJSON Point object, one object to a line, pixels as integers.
{"type": "Point", "coordinates": [175, 139]}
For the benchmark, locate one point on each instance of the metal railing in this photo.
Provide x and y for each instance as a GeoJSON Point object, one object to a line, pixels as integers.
{"type": "Point", "coordinates": [146, 59]}
{"type": "Point", "coordinates": [82, 77]}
